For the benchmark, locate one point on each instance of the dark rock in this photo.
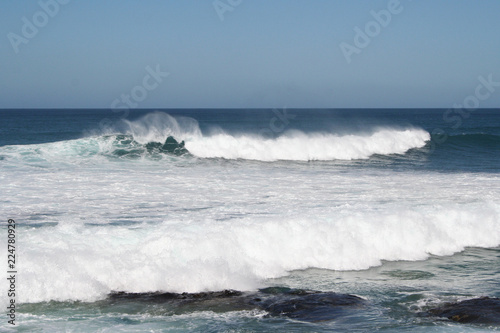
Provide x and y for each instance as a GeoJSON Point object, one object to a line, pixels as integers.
{"type": "Point", "coordinates": [171, 146]}
{"type": "Point", "coordinates": [305, 305]}
{"type": "Point", "coordinates": [309, 305]}
{"type": "Point", "coordinates": [159, 297]}
{"type": "Point", "coordinates": [482, 310]}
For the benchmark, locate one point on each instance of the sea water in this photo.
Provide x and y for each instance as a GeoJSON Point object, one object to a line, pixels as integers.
{"type": "Point", "coordinates": [398, 207]}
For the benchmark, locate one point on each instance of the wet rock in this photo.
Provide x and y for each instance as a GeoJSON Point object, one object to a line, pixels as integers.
{"type": "Point", "coordinates": [159, 297]}
{"type": "Point", "coordinates": [308, 305]}
{"type": "Point", "coordinates": [178, 303]}
{"type": "Point", "coordinates": [482, 310]}
{"type": "Point", "coordinates": [299, 304]}
{"type": "Point", "coordinates": [171, 146]}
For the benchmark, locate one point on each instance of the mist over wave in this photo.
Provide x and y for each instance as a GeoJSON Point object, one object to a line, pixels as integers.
{"type": "Point", "coordinates": [157, 127]}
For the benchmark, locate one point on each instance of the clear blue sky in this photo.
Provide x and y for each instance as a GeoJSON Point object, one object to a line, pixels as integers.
{"type": "Point", "coordinates": [264, 53]}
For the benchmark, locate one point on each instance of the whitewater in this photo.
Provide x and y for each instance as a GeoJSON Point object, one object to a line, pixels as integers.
{"type": "Point", "coordinates": [111, 211]}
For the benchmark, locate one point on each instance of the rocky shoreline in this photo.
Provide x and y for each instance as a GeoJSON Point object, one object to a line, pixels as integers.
{"type": "Point", "coordinates": [303, 305]}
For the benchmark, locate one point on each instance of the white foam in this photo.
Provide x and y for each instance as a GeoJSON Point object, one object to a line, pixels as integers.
{"type": "Point", "coordinates": [299, 146]}
{"type": "Point", "coordinates": [73, 261]}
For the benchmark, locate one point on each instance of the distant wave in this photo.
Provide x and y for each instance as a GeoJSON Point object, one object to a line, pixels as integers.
{"type": "Point", "coordinates": [147, 138]}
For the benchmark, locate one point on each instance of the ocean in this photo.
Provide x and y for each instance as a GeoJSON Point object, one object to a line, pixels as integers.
{"type": "Point", "coordinates": [287, 220]}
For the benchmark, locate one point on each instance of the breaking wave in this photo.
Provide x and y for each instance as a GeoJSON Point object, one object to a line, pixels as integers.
{"type": "Point", "coordinates": [299, 146]}
{"type": "Point", "coordinates": [159, 133]}
{"type": "Point", "coordinates": [72, 261]}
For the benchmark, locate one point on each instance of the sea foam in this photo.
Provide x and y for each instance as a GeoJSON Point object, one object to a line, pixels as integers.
{"type": "Point", "coordinates": [299, 146]}
{"type": "Point", "coordinates": [77, 262]}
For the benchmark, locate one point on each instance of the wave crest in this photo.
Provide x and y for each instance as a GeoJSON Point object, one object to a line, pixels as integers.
{"type": "Point", "coordinates": [299, 146]}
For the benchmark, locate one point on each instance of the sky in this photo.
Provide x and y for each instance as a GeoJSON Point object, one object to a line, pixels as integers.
{"type": "Point", "coordinates": [249, 53]}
